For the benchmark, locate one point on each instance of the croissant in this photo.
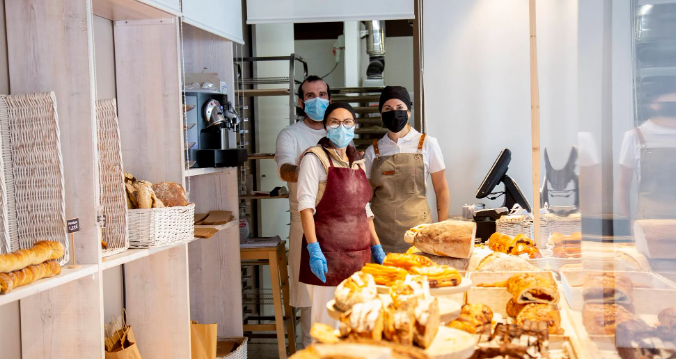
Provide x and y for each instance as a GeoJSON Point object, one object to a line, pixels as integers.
{"type": "Point", "coordinates": [40, 252]}
{"type": "Point", "coordinates": [474, 319]}
{"type": "Point", "coordinates": [406, 261]}
{"type": "Point", "coordinates": [384, 275]}
{"type": "Point", "coordinates": [30, 274]}
{"type": "Point", "coordinates": [439, 276]}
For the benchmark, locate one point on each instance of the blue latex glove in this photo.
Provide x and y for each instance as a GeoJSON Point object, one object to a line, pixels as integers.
{"type": "Point", "coordinates": [317, 261]}
{"type": "Point", "coordinates": [377, 253]}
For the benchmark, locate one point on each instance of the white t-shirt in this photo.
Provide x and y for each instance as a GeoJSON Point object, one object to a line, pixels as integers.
{"type": "Point", "coordinates": [655, 137]}
{"type": "Point", "coordinates": [292, 141]}
{"type": "Point", "coordinates": [312, 172]}
{"type": "Point", "coordinates": [432, 157]}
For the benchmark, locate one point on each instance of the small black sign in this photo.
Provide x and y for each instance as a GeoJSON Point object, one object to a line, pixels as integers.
{"type": "Point", "coordinates": [101, 220]}
{"type": "Point", "coordinates": [73, 225]}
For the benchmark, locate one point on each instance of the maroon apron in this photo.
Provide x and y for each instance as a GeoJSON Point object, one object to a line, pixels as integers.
{"type": "Point", "coordinates": [341, 226]}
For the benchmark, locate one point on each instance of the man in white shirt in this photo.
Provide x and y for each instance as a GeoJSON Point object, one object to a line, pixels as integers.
{"type": "Point", "coordinates": [314, 97]}
{"type": "Point", "coordinates": [650, 151]}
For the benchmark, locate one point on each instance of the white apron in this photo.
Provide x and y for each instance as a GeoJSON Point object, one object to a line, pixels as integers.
{"type": "Point", "coordinates": [298, 292]}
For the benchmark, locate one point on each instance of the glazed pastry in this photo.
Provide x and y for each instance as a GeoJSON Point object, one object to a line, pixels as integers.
{"type": "Point", "coordinates": [501, 262]}
{"type": "Point", "coordinates": [28, 275]}
{"type": "Point", "coordinates": [426, 326]}
{"type": "Point", "coordinates": [603, 318]}
{"type": "Point", "coordinates": [513, 309]}
{"type": "Point", "coordinates": [541, 312]}
{"type": "Point", "coordinates": [439, 276]}
{"type": "Point", "coordinates": [447, 238]}
{"type": "Point", "coordinates": [607, 288]}
{"type": "Point", "coordinates": [384, 275]}
{"type": "Point", "coordinates": [363, 320]}
{"type": "Point", "coordinates": [359, 287]}
{"type": "Point", "coordinates": [474, 319]}
{"type": "Point", "coordinates": [398, 325]}
{"type": "Point", "coordinates": [406, 261]}
{"type": "Point", "coordinates": [667, 317]}
{"type": "Point", "coordinates": [533, 288]}
{"type": "Point", "coordinates": [413, 250]}
{"type": "Point", "coordinates": [405, 295]}
{"type": "Point", "coordinates": [40, 252]}
{"type": "Point", "coordinates": [170, 193]}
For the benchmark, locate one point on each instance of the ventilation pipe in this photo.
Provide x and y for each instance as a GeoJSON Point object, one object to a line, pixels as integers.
{"type": "Point", "coordinates": [375, 48]}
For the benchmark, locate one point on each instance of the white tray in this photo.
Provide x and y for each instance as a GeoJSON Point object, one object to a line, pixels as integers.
{"type": "Point", "coordinates": [448, 309]}
{"type": "Point", "coordinates": [464, 286]}
{"type": "Point", "coordinates": [495, 298]}
{"type": "Point", "coordinates": [557, 263]}
{"type": "Point", "coordinates": [452, 343]}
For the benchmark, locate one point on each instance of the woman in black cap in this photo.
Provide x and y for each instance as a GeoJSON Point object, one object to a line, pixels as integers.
{"type": "Point", "coordinates": [333, 201]}
{"type": "Point", "coordinates": [397, 166]}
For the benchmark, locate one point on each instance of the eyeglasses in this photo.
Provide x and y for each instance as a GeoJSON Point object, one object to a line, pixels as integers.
{"type": "Point", "coordinates": [348, 124]}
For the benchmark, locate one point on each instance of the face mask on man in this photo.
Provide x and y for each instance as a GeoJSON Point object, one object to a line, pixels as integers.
{"type": "Point", "coordinates": [666, 109]}
{"type": "Point", "coordinates": [340, 136]}
{"type": "Point", "coordinates": [395, 120]}
{"type": "Point", "coordinates": [315, 108]}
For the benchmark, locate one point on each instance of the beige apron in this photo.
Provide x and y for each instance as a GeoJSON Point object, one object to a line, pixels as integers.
{"type": "Point", "coordinates": [399, 199]}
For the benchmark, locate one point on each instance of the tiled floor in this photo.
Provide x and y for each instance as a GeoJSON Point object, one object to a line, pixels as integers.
{"type": "Point", "coordinates": [265, 348]}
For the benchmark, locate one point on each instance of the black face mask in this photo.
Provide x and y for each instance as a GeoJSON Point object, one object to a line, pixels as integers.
{"type": "Point", "coordinates": [395, 120]}
{"type": "Point", "coordinates": [667, 109]}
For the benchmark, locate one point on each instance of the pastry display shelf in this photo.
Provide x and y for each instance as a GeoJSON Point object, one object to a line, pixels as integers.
{"type": "Point", "coordinates": [206, 171]}
{"type": "Point", "coordinates": [67, 275]}
{"type": "Point", "coordinates": [133, 254]}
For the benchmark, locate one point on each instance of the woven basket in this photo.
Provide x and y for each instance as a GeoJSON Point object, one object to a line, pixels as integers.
{"type": "Point", "coordinates": [158, 227]}
{"type": "Point", "coordinates": [513, 228]}
{"type": "Point", "coordinates": [33, 171]}
{"type": "Point", "coordinates": [564, 225]}
{"type": "Point", "coordinates": [240, 352]}
{"type": "Point", "coordinates": [111, 178]}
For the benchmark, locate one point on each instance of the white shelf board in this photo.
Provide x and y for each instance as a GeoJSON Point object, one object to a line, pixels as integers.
{"type": "Point", "coordinates": [220, 227]}
{"type": "Point", "coordinates": [133, 254]}
{"type": "Point", "coordinates": [66, 276]}
{"type": "Point", "coordinates": [206, 171]}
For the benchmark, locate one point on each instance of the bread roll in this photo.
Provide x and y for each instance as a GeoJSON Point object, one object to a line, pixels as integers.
{"type": "Point", "coordinates": [40, 252]}
{"type": "Point", "coordinates": [170, 193]}
{"type": "Point", "coordinates": [359, 287]}
{"type": "Point", "coordinates": [448, 238]}
{"type": "Point", "coordinates": [144, 195]}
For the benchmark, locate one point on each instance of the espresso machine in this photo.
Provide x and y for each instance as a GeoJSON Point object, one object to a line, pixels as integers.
{"type": "Point", "coordinates": [211, 131]}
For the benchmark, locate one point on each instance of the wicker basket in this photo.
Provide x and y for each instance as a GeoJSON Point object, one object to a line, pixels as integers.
{"type": "Point", "coordinates": [564, 225]}
{"type": "Point", "coordinates": [158, 227]}
{"type": "Point", "coordinates": [240, 352]}
{"type": "Point", "coordinates": [514, 228]}
{"type": "Point", "coordinates": [111, 178]}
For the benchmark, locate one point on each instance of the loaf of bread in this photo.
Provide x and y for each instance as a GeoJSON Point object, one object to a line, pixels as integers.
{"type": "Point", "coordinates": [448, 238]}
{"type": "Point", "coordinates": [28, 275]}
{"type": "Point", "coordinates": [170, 193]}
{"type": "Point", "coordinates": [358, 288]}
{"type": "Point", "coordinates": [364, 320]}
{"type": "Point", "coordinates": [40, 252]}
{"type": "Point", "coordinates": [501, 262]}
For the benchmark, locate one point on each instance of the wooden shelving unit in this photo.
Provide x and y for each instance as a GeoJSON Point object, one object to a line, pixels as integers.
{"type": "Point", "coordinates": [52, 49]}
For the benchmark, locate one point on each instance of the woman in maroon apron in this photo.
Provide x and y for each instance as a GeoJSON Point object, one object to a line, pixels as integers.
{"type": "Point", "coordinates": [333, 196]}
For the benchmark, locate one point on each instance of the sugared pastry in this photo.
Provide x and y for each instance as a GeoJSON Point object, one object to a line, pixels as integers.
{"type": "Point", "coordinates": [607, 287]}
{"type": "Point", "coordinates": [474, 319]}
{"type": "Point", "coordinates": [359, 287]}
{"type": "Point", "coordinates": [406, 261]}
{"type": "Point", "coordinates": [364, 320]}
{"type": "Point", "coordinates": [439, 276]}
{"type": "Point", "coordinates": [603, 318]}
{"type": "Point", "coordinates": [384, 275]}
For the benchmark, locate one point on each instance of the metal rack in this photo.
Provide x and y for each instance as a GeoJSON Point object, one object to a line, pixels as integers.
{"type": "Point", "coordinates": [364, 100]}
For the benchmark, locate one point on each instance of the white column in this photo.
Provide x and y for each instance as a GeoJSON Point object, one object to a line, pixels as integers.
{"type": "Point", "coordinates": [352, 52]}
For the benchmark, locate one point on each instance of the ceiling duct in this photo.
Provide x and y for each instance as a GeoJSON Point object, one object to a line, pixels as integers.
{"type": "Point", "coordinates": [375, 48]}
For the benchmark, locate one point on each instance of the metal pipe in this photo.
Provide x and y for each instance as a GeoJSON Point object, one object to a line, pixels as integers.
{"type": "Point", "coordinates": [375, 42]}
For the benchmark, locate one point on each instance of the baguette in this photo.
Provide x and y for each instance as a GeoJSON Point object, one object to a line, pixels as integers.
{"type": "Point", "coordinates": [448, 238]}
{"type": "Point", "coordinates": [40, 252]}
{"type": "Point", "coordinates": [30, 274]}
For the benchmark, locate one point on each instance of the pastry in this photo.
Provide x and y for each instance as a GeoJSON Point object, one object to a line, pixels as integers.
{"type": "Point", "coordinates": [448, 238]}
{"type": "Point", "coordinates": [363, 320]}
{"type": "Point", "coordinates": [606, 288]}
{"type": "Point", "coordinates": [501, 262]}
{"type": "Point", "coordinates": [413, 250]}
{"type": "Point", "coordinates": [384, 275]}
{"type": "Point", "coordinates": [170, 193]}
{"type": "Point", "coordinates": [406, 261]}
{"type": "Point", "coordinates": [513, 308]}
{"type": "Point", "coordinates": [360, 348]}
{"type": "Point", "coordinates": [426, 321]}
{"type": "Point", "coordinates": [667, 317]}
{"type": "Point", "coordinates": [40, 252]}
{"type": "Point", "coordinates": [635, 339]}
{"type": "Point", "coordinates": [536, 312]}
{"type": "Point", "coordinates": [558, 239]}
{"type": "Point", "coordinates": [567, 251]}
{"type": "Point", "coordinates": [359, 287]}
{"type": "Point", "coordinates": [527, 341]}
{"type": "Point", "coordinates": [474, 319]}
{"type": "Point", "coordinates": [398, 325]}
{"type": "Point", "coordinates": [405, 295]}
{"type": "Point", "coordinates": [323, 333]}
{"type": "Point", "coordinates": [603, 318]}
{"type": "Point", "coordinates": [439, 276]}
{"type": "Point", "coordinates": [533, 288]}
{"type": "Point", "coordinates": [104, 245]}
{"type": "Point", "coordinates": [28, 275]}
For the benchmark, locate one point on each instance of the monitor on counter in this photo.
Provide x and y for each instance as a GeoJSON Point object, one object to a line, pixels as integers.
{"type": "Point", "coordinates": [497, 174]}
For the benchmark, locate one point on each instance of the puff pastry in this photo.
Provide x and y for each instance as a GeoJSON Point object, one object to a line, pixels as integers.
{"type": "Point", "coordinates": [603, 318]}
{"type": "Point", "coordinates": [607, 287]}
{"type": "Point", "coordinates": [405, 295]}
{"type": "Point", "coordinates": [474, 319]}
{"type": "Point", "coordinates": [533, 288]}
{"type": "Point", "coordinates": [363, 320]}
{"type": "Point", "coordinates": [513, 309]}
{"type": "Point", "coordinates": [406, 261]}
{"type": "Point", "coordinates": [536, 312]}
{"type": "Point", "coordinates": [384, 275]}
{"type": "Point", "coordinates": [359, 287]}
{"type": "Point", "coordinates": [439, 276]}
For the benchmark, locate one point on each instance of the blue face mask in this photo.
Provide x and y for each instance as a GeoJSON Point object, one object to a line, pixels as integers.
{"type": "Point", "coordinates": [341, 136]}
{"type": "Point", "coordinates": [315, 108]}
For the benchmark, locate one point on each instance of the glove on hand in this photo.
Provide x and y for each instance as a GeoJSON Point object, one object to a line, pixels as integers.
{"type": "Point", "coordinates": [377, 253]}
{"type": "Point", "coordinates": [318, 261]}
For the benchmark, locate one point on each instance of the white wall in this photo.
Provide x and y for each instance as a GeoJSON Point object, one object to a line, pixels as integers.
{"type": "Point", "coordinates": [290, 11]}
{"type": "Point", "coordinates": [398, 62]}
{"type": "Point", "coordinates": [320, 60]}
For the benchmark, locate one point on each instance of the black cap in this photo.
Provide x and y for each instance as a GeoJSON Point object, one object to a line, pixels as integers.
{"type": "Point", "coordinates": [398, 92]}
{"type": "Point", "coordinates": [337, 105]}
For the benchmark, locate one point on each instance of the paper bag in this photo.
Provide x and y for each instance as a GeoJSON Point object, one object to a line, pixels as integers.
{"type": "Point", "coordinates": [122, 345]}
{"type": "Point", "coordinates": [203, 340]}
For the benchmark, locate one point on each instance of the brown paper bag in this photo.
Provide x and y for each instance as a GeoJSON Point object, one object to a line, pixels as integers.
{"type": "Point", "coordinates": [203, 339]}
{"type": "Point", "coordinates": [123, 345]}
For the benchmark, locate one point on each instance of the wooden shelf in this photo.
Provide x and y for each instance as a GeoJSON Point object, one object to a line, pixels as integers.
{"type": "Point", "coordinates": [66, 276]}
{"type": "Point", "coordinates": [206, 171]}
{"type": "Point", "coordinates": [368, 109]}
{"type": "Point", "coordinates": [263, 197]}
{"type": "Point", "coordinates": [262, 92]}
{"type": "Point", "coordinates": [220, 227]}
{"type": "Point", "coordinates": [133, 254]}
{"type": "Point", "coordinates": [358, 98]}
{"type": "Point", "coordinates": [262, 156]}
{"type": "Point", "coordinates": [127, 10]}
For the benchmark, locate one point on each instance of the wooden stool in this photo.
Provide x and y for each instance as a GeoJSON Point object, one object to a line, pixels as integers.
{"type": "Point", "coordinates": [275, 257]}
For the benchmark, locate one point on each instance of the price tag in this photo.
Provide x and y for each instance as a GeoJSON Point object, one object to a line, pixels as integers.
{"type": "Point", "coordinates": [73, 225]}
{"type": "Point", "coordinates": [101, 220]}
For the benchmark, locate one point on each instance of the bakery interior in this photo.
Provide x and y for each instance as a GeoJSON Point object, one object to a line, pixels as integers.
{"type": "Point", "coordinates": [139, 189]}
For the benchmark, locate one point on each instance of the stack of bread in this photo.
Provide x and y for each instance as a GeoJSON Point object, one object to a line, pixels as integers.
{"type": "Point", "coordinates": [535, 298]}
{"type": "Point", "coordinates": [566, 246]}
{"type": "Point", "coordinates": [409, 315]}
{"type": "Point", "coordinates": [145, 195]}
{"type": "Point", "coordinates": [608, 301]}
{"type": "Point", "coordinates": [26, 266]}
{"type": "Point", "coordinates": [397, 266]}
